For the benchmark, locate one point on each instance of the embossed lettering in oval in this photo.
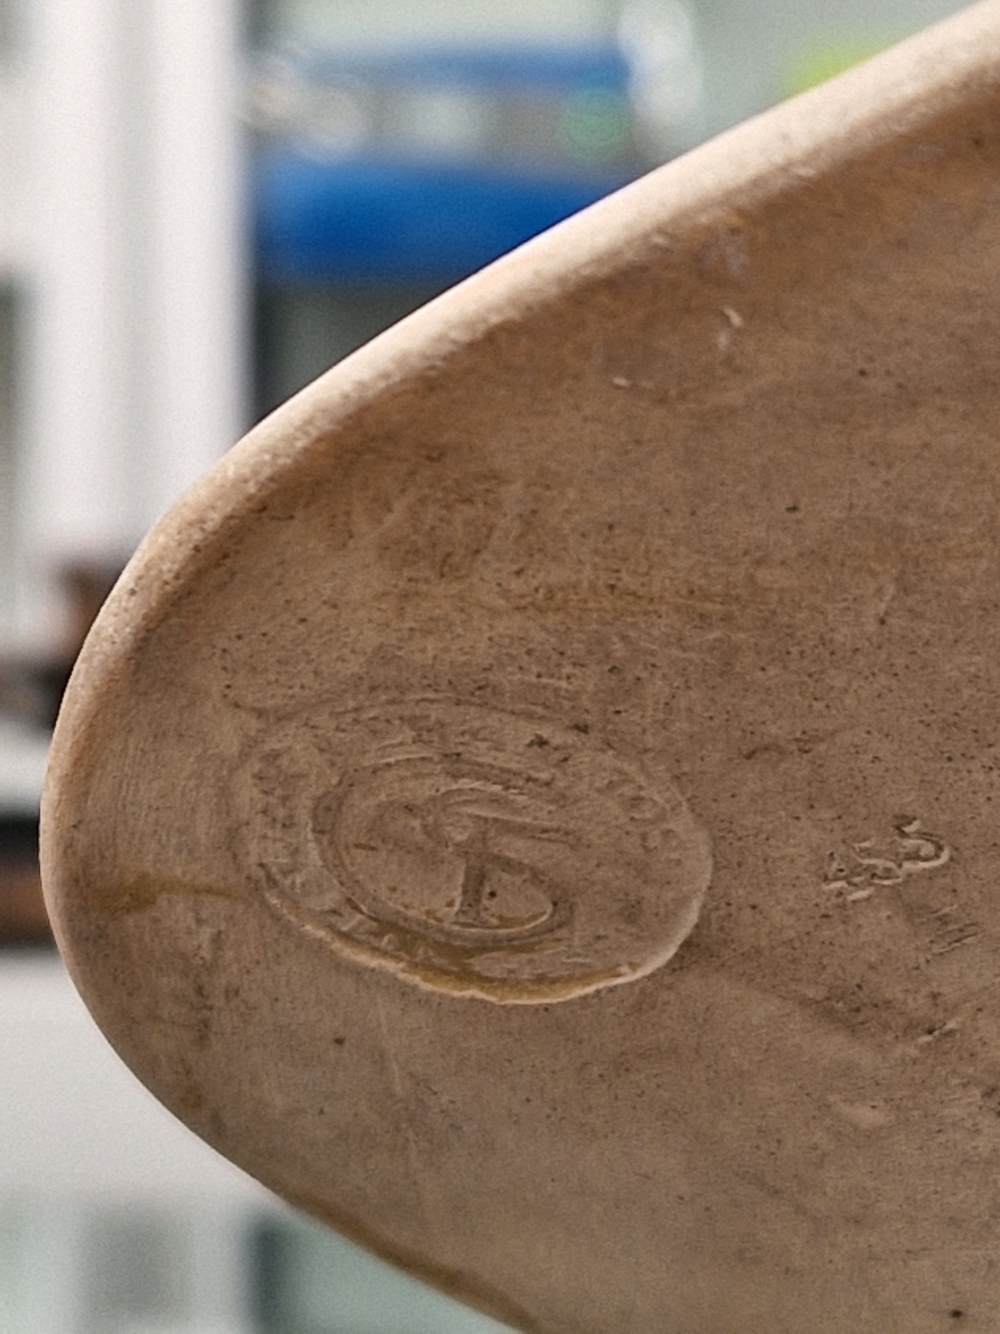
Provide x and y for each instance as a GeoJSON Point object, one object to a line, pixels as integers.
{"type": "Point", "coordinates": [473, 850]}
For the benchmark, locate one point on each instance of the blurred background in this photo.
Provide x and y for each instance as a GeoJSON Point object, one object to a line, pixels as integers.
{"type": "Point", "coordinates": [203, 204]}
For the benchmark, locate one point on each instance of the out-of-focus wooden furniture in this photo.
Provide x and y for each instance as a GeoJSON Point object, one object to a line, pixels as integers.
{"type": "Point", "coordinates": [31, 689]}
{"type": "Point", "coordinates": [23, 919]}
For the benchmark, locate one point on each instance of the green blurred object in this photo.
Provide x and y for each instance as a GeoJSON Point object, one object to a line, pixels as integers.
{"type": "Point", "coordinates": [595, 122]}
{"type": "Point", "coordinates": [822, 59]}
{"type": "Point", "coordinates": [308, 1280]}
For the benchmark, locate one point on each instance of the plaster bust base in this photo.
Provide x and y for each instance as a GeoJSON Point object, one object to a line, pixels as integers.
{"type": "Point", "coordinates": [535, 802]}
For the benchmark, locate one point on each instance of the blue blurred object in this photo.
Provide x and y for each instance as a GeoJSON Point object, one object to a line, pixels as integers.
{"type": "Point", "coordinates": [549, 131]}
{"type": "Point", "coordinates": [590, 65]}
{"type": "Point", "coordinates": [363, 220]}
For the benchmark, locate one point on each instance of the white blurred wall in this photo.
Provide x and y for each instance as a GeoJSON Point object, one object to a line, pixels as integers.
{"type": "Point", "coordinates": [122, 228]}
{"type": "Point", "coordinates": [100, 1187]}
{"type": "Point", "coordinates": [74, 1120]}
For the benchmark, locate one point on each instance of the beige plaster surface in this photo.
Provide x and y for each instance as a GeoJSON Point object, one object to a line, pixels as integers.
{"type": "Point", "coordinates": [535, 803]}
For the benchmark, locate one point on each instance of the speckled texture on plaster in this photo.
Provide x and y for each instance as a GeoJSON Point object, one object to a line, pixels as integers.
{"type": "Point", "coordinates": [668, 545]}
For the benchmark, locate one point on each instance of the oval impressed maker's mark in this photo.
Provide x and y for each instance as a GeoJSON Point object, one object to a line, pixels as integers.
{"type": "Point", "coordinates": [475, 851]}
